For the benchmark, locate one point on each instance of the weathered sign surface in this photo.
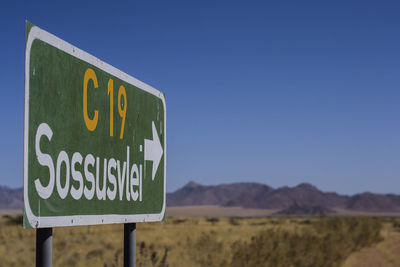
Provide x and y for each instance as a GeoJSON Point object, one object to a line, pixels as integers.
{"type": "Point", "coordinates": [94, 139]}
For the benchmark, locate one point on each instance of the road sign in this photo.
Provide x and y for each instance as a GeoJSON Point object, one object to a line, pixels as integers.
{"type": "Point", "coordinates": [94, 139]}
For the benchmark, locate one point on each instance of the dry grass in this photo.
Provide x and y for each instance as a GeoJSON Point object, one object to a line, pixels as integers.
{"type": "Point", "coordinates": [182, 241]}
{"type": "Point", "coordinates": [99, 245]}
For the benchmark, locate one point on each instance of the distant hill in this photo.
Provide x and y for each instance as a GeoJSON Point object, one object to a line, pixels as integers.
{"type": "Point", "coordinates": [11, 199]}
{"type": "Point", "coordinates": [373, 202]}
{"type": "Point", "coordinates": [226, 194]}
{"type": "Point", "coordinates": [261, 196]}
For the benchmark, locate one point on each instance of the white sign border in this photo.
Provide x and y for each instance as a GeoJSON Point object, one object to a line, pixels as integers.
{"type": "Point", "coordinates": [74, 220]}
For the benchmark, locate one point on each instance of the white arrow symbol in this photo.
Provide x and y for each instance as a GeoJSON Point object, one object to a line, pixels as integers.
{"type": "Point", "coordinates": [153, 150]}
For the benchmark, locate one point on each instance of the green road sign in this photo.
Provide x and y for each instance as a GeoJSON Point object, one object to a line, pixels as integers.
{"type": "Point", "coordinates": [94, 139]}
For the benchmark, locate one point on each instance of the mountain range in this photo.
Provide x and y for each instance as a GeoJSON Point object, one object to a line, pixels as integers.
{"type": "Point", "coordinates": [261, 196]}
{"type": "Point", "coordinates": [301, 198]}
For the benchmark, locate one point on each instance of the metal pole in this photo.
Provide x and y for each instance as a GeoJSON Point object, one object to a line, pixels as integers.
{"type": "Point", "coordinates": [129, 244]}
{"type": "Point", "coordinates": [44, 240]}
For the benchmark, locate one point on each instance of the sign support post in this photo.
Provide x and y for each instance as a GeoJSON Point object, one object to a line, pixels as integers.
{"type": "Point", "coordinates": [44, 240]}
{"type": "Point", "coordinates": [130, 245]}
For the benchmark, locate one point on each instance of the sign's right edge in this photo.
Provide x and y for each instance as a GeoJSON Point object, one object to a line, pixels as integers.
{"type": "Point", "coordinates": [163, 211]}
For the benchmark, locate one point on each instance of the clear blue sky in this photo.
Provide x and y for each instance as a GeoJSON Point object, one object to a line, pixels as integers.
{"type": "Point", "coordinates": [278, 93]}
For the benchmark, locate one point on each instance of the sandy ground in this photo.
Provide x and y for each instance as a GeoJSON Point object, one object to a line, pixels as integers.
{"type": "Point", "coordinates": [346, 213]}
{"type": "Point", "coordinates": [219, 211]}
{"type": "Point", "coordinates": [384, 254]}
{"type": "Point", "coordinates": [10, 212]}
{"type": "Point", "coordinates": [216, 211]}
